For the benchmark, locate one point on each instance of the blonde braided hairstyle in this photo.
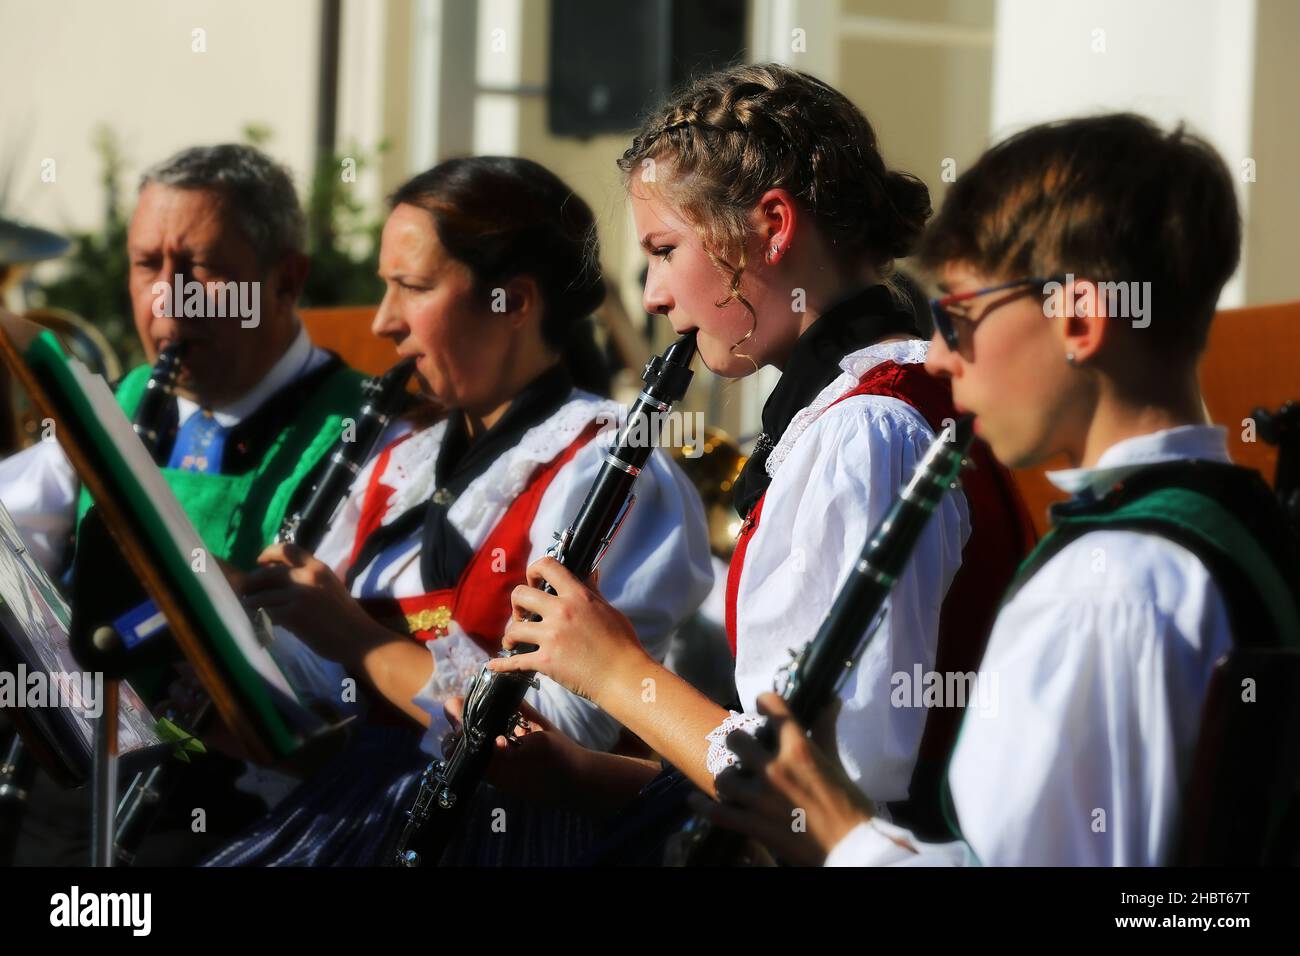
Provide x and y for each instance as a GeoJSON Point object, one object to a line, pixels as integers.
{"type": "Point", "coordinates": [726, 138]}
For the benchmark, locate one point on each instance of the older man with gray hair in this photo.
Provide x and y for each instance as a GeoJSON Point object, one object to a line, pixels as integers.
{"type": "Point", "coordinates": [217, 263]}
{"type": "Point", "coordinates": [214, 226]}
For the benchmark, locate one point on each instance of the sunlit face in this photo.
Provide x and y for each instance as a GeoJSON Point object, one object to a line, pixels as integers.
{"type": "Point", "coordinates": [683, 284]}
{"type": "Point", "coordinates": [429, 312]}
{"type": "Point", "coordinates": [1010, 369]}
{"type": "Point", "coordinates": [188, 232]}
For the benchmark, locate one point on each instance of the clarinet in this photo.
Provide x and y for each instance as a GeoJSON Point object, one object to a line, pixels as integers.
{"type": "Point", "coordinates": [492, 700]}
{"type": "Point", "coordinates": [1282, 429]}
{"type": "Point", "coordinates": [813, 678]}
{"type": "Point", "coordinates": [158, 392]}
{"type": "Point", "coordinates": [384, 398]}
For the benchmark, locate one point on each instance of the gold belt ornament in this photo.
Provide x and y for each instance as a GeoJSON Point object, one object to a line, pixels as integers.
{"type": "Point", "coordinates": [430, 619]}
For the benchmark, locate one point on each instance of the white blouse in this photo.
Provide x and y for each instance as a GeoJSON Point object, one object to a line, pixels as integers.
{"type": "Point", "coordinates": [657, 571]}
{"type": "Point", "coordinates": [1101, 661]}
{"type": "Point", "coordinates": [835, 472]}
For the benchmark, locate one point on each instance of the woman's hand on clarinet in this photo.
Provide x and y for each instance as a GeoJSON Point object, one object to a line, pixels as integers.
{"type": "Point", "coordinates": [536, 762]}
{"type": "Point", "coordinates": [583, 642]}
{"type": "Point", "coordinates": [797, 802]}
{"type": "Point", "coordinates": [304, 595]}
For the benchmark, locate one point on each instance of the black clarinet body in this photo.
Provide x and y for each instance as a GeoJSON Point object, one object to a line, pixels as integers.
{"type": "Point", "coordinates": [384, 398]}
{"type": "Point", "coordinates": [158, 394]}
{"type": "Point", "coordinates": [814, 677]}
{"type": "Point", "coordinates": [492, 701]}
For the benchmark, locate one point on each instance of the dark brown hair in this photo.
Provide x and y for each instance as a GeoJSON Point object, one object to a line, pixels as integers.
{"type": "Point", "coordinates": [1109, 198]}
{"type": "Point", "coordinates": [505, 217]}
{"type": "Point", "coordinates": [729, 136]}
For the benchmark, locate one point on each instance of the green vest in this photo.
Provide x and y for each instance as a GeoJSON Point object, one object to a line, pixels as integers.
{"type": "Point", "coordinates": [1261, 600]}
{"type": "Point", "coordinates": [1224, 515]}
{"type": "Point", "coordinates": [237, 516]}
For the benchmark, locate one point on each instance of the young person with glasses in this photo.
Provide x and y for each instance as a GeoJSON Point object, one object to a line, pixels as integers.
{"type": "Point", "coordinates": [1166, 557]}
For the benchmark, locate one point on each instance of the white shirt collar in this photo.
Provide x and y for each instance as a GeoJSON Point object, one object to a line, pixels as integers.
{"type": "Point", "coordinates": [900, 352]}
{"type": "Point", "coordinates": [1203, 442]}
{"type": "Point", "coordinates": [298, 359]}
{"type": "Point", "coordinates": [855, 365]}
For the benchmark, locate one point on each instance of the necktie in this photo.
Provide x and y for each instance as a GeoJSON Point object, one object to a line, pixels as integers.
{"type": "Point", "coordinates": [199, 444]}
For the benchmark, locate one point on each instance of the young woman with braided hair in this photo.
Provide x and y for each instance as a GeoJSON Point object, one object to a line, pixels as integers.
{"type": "Point", "coordinates": [772, 224]}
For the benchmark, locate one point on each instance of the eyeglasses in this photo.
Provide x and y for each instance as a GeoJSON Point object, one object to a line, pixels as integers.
{"type": "Point", "coordinates": [943, 318]}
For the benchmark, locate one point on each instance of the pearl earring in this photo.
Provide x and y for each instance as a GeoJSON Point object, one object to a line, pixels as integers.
{"type": "Point", "coordinates": [1069, 358]}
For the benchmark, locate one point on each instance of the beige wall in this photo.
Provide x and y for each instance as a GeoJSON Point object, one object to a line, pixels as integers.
{"type": "Point", "coordinates": [72, 65]}
{"type": "Point", "coordinates": [926, 91]}
{"type": "Point", "coordinates": [924, 71]}
{"type": "Point", "coordinates": [1273, 223]}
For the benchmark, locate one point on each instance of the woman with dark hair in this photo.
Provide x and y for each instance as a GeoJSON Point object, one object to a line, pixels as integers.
{"type": "Point", "coordinates": [491, 271]}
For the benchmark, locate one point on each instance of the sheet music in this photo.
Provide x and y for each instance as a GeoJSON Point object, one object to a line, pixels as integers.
{"type": "Point", "coordinates": [232, 614]}
{"type": "Point", "coordinates": [37, 620]}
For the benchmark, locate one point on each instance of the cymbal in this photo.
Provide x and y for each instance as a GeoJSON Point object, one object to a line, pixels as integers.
{"type": "Point", "coordinates": [20, 244]}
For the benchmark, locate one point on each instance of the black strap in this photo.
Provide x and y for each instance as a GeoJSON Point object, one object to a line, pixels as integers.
{"type": "Point", "coordinates": [850, 326]}
{"type": "Point", "coordinates": [1239, 491]}
{"type": "Point", "coordinates": [444, 553]}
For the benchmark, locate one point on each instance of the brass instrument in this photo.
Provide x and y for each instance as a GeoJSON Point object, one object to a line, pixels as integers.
{"type": "Point", "coordinates": [20, 247]}
{"type": "Point", "coordinates": [713, 472]}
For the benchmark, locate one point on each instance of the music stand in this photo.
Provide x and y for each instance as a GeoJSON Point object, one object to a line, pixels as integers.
{"type": "Point", "coordinates": [161, 546]}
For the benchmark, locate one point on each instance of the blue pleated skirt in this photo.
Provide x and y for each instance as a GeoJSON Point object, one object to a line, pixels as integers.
{"type": "Point", "coordinates": [351, 811]}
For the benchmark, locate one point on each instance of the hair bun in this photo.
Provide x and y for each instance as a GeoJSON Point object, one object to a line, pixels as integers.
{"type": "Point", "coordinates": [909, 202]}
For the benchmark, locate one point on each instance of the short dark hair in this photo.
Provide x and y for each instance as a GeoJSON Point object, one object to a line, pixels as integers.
{"type": "Point", "coordinates": [1108, 198]}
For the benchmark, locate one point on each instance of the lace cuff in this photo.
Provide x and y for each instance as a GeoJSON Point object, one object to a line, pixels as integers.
{"type": "Point", "coordinates": [456, 659]}
{"type": "Point", "coordinates": [719, 757]}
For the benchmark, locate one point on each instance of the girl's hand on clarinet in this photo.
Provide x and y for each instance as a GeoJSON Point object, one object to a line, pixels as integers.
{"type": "Point", "coordinates": [537, 762]}
{"type": "Point", "coordinates": [583, 641]}
{"type": "Point", "coordinates": [797, 802]}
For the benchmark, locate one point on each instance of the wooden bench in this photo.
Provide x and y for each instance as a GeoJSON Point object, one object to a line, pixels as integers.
{"type": "Point", "coordinates": [1252, 360]}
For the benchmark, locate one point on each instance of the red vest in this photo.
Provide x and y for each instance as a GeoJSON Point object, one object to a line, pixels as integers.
{"type": "Point", "coordinates": [480, 600]}
{"type": "Point", "coordinates": [1001, 535]}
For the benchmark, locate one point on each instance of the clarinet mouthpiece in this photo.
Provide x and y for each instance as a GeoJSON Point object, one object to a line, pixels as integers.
{"type": "Point", "coordinates": [681, 352]}
{"type": "Point", "coordinates": [668, 376]}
